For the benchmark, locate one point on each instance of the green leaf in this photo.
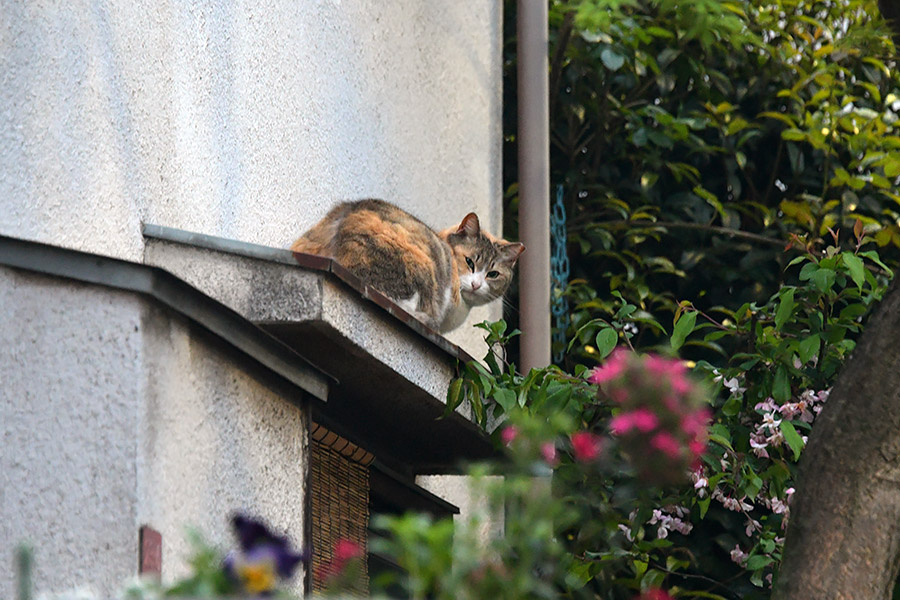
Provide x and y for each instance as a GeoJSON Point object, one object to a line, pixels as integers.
{"type": "Point", "coordinates": [873, 256]}
{"type": "Point", "coordinates": [792, 438]}
{"type": "Point", "coordinates": [808, 348]}
{"type": "Point", "coordinates": [823, 279]}
{"type": "Point", "coordinates": [856, 268]}
{"type": "Point", "coordinates": [807, 271]}
{"type": "Point", "coordinates": [683, 327]}
{"type": "Point", "coordinates": [454, 394]}
{"type": "Point", "coordinates": [781, 387]}
{"type": "Point", "coordinates": [652, 579]}
{"type": "Point", "coordinates": [612, 60]}
{"type": "Point", "coordinates": [485, 378]}
{"type": "Point", "coordinates": [721, 440]}
{"type": "Point", "coordinates": [732, 406]}
{"type": "Point", "coordinates": [755, 563]}
{"type": "Point", "coordinates": [640, 567]}
{"type": "Point", "coordinates": [785, 308]}
{"type": "Point", "coordinates": [710, 198]}
{"type": "Point", "coordinates": [477, 408]}
{"type": "Point", "coordinates": [753, 483]}
{"type": "Point", "coordinates": [506, 398]}
{"type": "Point", "coordinates": [794, 135]}
{"type": "Point", "coordinates": [786, 119]}
{"type": "Point", "coordinates": [704, 506]}
{"type": "Point", "coordinates": [607, 338]}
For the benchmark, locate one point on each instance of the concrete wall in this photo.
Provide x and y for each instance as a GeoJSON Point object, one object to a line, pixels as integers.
{"type": "Point", "coordinates": [243, 119]}
{"type": "Point", "coordinates": [246, 120]}
{"type": "Point", "coordinates": [68, 419]}
{"type": "Point", "coordinates": [114, 414]}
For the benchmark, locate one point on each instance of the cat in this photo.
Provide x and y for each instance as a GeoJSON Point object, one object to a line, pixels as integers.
{"type": "Point", "coordinates": [435, 276]}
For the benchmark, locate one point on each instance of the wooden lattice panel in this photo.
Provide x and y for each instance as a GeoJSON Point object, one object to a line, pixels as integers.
{"type": "Point", "coordinates": [339, 485]}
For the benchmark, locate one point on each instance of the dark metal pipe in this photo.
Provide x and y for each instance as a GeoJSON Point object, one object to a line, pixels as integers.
{"type": "Point", "coordinates": [534, 183]}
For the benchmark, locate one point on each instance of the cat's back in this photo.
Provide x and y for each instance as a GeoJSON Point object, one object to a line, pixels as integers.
{"type": "Point", "coordinates": [391, 250]}
{"type": "Point", "coordinates": [366, 224]}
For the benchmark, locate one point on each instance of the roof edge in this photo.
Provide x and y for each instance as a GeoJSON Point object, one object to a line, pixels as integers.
{"type": "Point", "coordinates": [174, 293]}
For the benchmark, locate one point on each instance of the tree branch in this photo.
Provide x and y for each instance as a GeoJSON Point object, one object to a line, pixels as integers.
{"type": "Point", "coordinates": [716, 229]}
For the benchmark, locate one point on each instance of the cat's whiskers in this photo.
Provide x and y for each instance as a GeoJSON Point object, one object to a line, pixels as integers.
{"type": "Point", "coordinates": [509, 305]}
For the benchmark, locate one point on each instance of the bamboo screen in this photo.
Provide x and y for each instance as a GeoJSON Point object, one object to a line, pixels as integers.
{"type": "Point", "coordinates": [339, 485]}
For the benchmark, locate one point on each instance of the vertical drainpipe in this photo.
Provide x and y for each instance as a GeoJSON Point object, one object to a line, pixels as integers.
{"type": "Point", "coordinates": [534, 183]}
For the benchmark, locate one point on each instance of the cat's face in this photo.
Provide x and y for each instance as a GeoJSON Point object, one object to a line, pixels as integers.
{"type": "Point", "coordinates": [485, 264]}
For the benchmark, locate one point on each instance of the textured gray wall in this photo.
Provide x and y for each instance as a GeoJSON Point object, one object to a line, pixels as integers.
{"type": "Point", "coordinates": [244, 119]}
{"type": "Point", "coordinates": [114, 415]}
{"type": "Point", "coordinates": [70, 379]}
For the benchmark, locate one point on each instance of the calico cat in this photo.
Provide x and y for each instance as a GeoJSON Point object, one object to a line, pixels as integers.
{"type": "Point", "coordinates": [435, 276]}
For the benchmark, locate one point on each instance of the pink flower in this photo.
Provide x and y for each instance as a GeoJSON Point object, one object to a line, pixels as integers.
{"type": "Point", "coordinates": [696, 447]}
{"type": "Point", "coordinates": [548, 451]}
{"type": "Point", "coordinates": [659, 365]}
{"type": "Point", "coordinates": [694, 423]}
{"type": "Point", "coordinates": [612, 368]}
{"type": "Point", "coordinates": [622, 423]}
{"type": "Point", "coordinates": [666, 443]}
{"type": "Point", "coordinates": [641, 419]}
{"type": "Point", "coordinates": [738, 555]}
{"type": "Point", "coordinates": [644, 420]}
{"type": "Point", "coordinates": [673, 370]}
{"type": "Point", "coordinates": [680, 383]}
{"type": "Point", "coordinates": [586, 446]}
{"type": "Point", "coordinates": [346, 550]}
{"type": "Point", "coordinates": [509, 434]}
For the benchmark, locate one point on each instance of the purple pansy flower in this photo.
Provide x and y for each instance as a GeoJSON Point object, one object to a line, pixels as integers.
{"type": "Point", "coordinates": [263, 558]}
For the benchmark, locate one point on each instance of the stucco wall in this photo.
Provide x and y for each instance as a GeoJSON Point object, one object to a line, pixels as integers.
{"type": "Point", "coordinates": [243, 119]}
{"type": "Point", "coordinates": [114, 414]}
{"type": "Point", "coordinates": [70, 379]}
{"type": "Point", "coordinates": [214, 440]}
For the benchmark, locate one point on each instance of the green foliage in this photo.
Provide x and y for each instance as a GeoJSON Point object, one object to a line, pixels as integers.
{"type": "Point", "coordinates": [730, 172]}
{"type": "Point", "coordinates": [695, 139]}
{"type": "Point", "coordinates": [206, 579]}
{"type": "Point", "coordinates": [494, 389]}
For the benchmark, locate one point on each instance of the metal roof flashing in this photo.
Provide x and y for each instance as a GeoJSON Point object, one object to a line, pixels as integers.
{"type": "Point", "coordinates": [393, 371]}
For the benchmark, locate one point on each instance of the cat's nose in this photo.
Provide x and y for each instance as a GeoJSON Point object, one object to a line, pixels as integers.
{"type": "Point", "coordinates": [476, 285]}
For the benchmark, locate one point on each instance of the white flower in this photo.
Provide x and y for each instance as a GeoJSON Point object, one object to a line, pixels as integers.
{"type": "Point", "coordinates": [759, 444]}
{"type": "Point", "coordinates": [739, 556]}
{"type": "Point", "coordinates": [731, 503]}
{"type": "Point", "coordinates": [752, 526]}
{"type": "Point", "coordinates": [627, 531]}
{"type": "Point", "coordinates": [700, 483]}
{"type": "Point", "coordinates": [734, 386]}
{"type": "Point", "coordinates": [768, 404]}
{"type": "Point", "coordinates": [771, 422]}
{"type": "Point", "coordinates": [778, 506]}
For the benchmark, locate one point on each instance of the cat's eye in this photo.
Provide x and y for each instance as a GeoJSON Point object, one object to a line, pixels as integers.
{"type": "Point", "coordinates": [470, 263]}
{"type": "Point", "coordinates": [493, 274]}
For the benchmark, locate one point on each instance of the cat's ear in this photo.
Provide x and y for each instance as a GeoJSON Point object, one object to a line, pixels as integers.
{"type": "Point", "coordinates": [469, 226]}
{"type": "Point", "coordinates": [510, 252]}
